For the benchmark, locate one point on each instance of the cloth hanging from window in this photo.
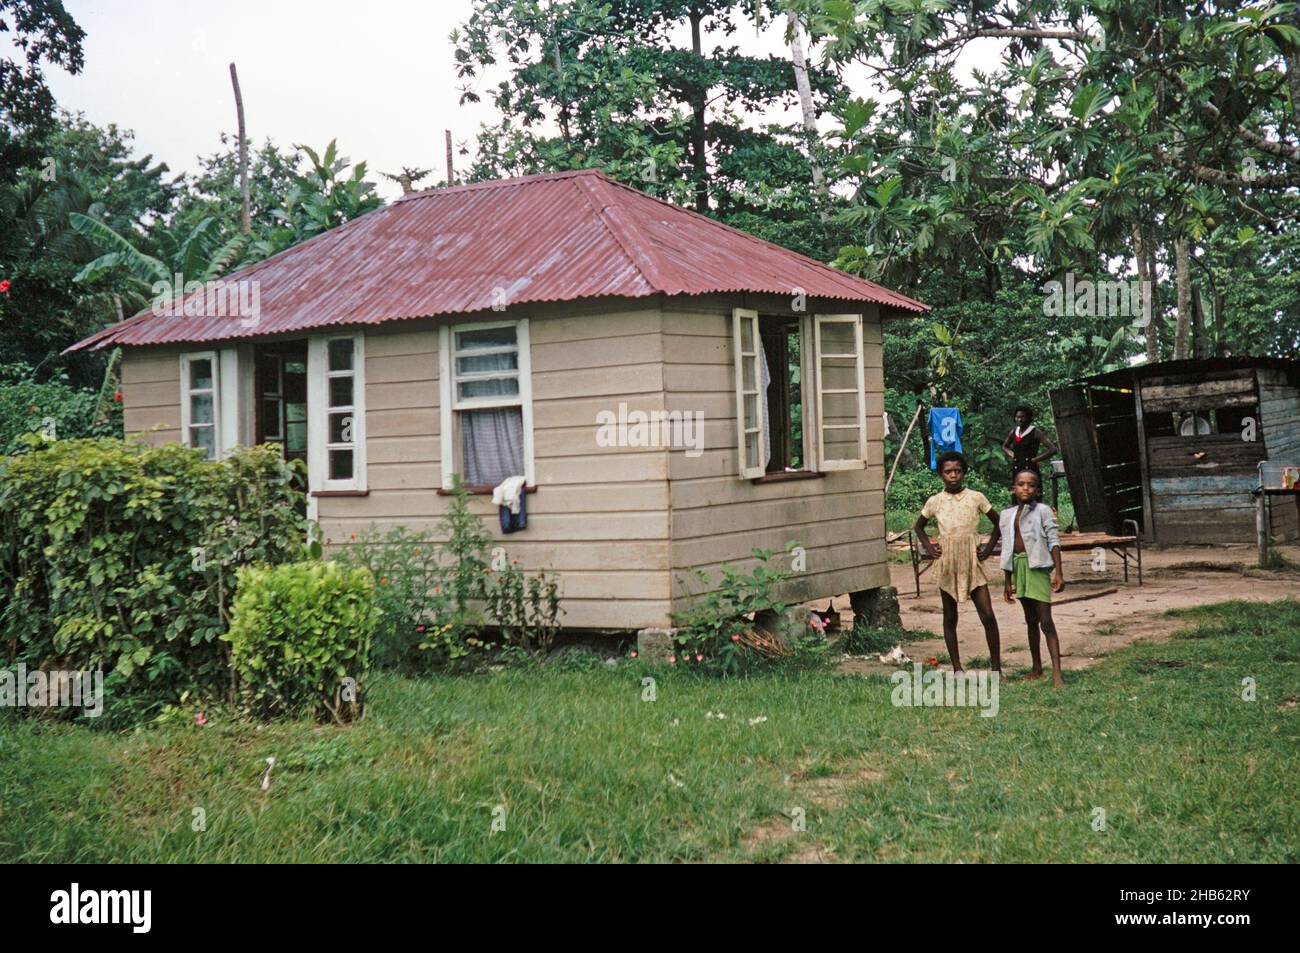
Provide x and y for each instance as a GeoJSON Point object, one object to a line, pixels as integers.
{"type": "Point", "coordinates": [510, 497]}
{"type": "Point", "coordinates": [945, 431]}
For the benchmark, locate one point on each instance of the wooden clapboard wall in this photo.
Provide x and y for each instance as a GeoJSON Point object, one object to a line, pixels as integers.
{"type": "Point", "coordinates": [1200, 486]}
{"type": "Point", "coordinates": [1279, 414]}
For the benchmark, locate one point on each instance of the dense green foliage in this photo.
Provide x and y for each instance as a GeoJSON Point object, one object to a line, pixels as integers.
{"type": "Point", "coordinates": [583, 769]}
{"type": "Point", "coordinates": [300, 639]}
{"type": "Point", "coordinates": [118, 556]}
{"type": "Point", "coordinates": [53, 408]}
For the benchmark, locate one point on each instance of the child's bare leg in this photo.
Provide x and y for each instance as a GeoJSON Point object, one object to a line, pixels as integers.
{"type": "Point", "coordinates": [1053, 643]}
{"type": "Point", "coordinates": [1030, 608]}
{"type": "Point", "coordinates": [950, 629]}
{"type": "Point", "coordinates": [984, 606]}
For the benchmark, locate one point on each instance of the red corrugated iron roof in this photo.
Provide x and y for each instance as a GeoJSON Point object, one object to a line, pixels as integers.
{"type": "Point", "coordinates": [556, 237]}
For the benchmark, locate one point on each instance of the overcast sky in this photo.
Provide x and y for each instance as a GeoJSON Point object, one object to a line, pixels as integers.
{"type": "Point", "coordinates": [377, 75]}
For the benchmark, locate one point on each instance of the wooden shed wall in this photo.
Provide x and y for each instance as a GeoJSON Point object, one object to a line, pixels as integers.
{"type": "Point", "coordinates": [1279, 416]}
{"type": "Point", "coordinates": [717, 517]}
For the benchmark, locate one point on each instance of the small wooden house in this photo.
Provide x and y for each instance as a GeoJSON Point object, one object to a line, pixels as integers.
{"type": "Point", "coordinates": [675, 392]}
{"type": "Point", "coordinates": [1176, 445]}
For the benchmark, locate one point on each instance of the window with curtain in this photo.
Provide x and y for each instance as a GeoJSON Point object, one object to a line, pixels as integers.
{"type": "Point", "coordinates": [486, 397]}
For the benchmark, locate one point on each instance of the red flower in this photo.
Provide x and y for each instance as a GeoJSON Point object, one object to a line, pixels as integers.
{"type": "Point", "coordinates": [419, 628]}
{"type": "Point", "coordinates": [932, 661]}
{"type": "Point", "coordinates": [117, 397]}
{"type": "Point", "coordinates": [4, 286]}
{"type": "Point", "coordinates": [200, 719]}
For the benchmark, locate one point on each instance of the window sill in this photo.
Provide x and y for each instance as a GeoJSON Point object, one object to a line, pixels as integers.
{"type": "Point", "coordinates": [787, 475]}
{"type": "Point", "coordinates": [319, 493]}
{"type": "Point", "coordinates": [482, 490]}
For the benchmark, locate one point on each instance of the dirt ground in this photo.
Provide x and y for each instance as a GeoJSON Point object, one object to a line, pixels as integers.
{"type": "Point", "coordinates": [1173, 578]}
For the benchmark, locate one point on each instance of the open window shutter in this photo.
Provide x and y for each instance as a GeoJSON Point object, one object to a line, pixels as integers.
{"type": "Point", "coordinates": [749, 396]}
{"type": "Point", "coordinates": [841, 392]}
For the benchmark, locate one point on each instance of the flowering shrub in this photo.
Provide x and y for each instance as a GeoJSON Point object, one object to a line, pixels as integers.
{"type": "Point", "coordinates": [53, 408]}
{"type": "Point", "coordinates": [409, 594]}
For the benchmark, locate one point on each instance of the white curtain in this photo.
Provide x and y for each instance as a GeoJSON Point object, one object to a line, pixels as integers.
{"type": "Point", "coordinates": [494, 445]}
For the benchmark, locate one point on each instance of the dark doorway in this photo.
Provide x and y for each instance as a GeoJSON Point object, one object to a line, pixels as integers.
{"type": "Point", "coordinates": [280, 388]}
{"type": "Point", "coordinates": [784, 394]}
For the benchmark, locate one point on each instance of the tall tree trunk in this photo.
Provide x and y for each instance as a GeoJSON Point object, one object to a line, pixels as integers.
{"type": "Point", "coordinates": [245, 215]}
{"type": "Point", "coordinates": [1200, 333]}
{"type": "Point", "coordinates": [1219, 349]}
{"type": "Point", "coordinates": [1183, 277]}
{"type": "Point", "coordinates": [1146, 277]}
{"type": "Point", "coordinates": [699, 156]}
{"type": "Point", "coordinates": [809, 113]}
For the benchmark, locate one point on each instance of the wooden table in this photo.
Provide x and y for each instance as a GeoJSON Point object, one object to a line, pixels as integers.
{"type": "Point", "coordinates": [1120, 545]}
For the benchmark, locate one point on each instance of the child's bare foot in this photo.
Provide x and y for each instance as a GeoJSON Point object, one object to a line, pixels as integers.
{"type": "Point", "coordinates": [1034, 674]}
{"type": "Point", "coordinates": [1057, 680]}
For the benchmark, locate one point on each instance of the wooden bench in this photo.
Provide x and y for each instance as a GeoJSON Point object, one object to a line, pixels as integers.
{"type": "Point", "coordinates": [1070, 543]}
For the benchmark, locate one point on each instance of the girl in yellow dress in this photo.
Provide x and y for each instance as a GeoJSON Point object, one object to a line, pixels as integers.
{"type": "Point", "coordinates": [958, 553]}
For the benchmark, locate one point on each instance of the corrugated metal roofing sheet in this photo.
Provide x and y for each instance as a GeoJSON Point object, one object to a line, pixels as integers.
{"type": "Point", "coordinates": [556, 237]}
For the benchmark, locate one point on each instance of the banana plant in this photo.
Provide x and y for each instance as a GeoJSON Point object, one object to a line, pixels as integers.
{"type": "Point", "coordinates": [202, 255]}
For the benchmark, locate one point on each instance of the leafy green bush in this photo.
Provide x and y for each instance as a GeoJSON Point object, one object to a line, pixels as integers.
{"type": "Point", "coordinates": [300, 639]}
{"type": "Point", "coordinates": [122, 557]}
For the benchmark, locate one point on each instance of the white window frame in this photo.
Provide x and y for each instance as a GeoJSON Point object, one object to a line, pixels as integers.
{"type": "Point", "coordinates": [739, 316]}
{"type": "Point", "coordinates": [318, 413]}
{"type": "Point", "coordinates": [449, 403]}
{"type": "Point", "coordinates": [823, 463]}
{"type": "Point", "coordinates": [187, 393]}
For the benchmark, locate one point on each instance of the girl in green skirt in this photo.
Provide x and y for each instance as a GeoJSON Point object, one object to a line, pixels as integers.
{"type": "Point", "coordinates": [1031, 565]}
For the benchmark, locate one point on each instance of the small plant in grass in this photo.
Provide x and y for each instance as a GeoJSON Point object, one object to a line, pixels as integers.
{"type": "Point", "coordinates": [409, 592]}
{"type": "Point", "coordinates": [863, 639]}
{"type": "Point", "coordinates": [717, 631]}
{"type": "Point", "coordinates": [300, 639]}
{"type": "Point", "coordinates": [524, 609]}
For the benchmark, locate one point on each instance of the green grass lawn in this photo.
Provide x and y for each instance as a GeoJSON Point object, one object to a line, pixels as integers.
{"type": "Point", "coordinates": [1157, 736]}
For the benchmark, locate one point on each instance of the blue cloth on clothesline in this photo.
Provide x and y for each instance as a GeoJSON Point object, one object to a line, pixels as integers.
{"type": "Point", "coordinates": [945, 431]}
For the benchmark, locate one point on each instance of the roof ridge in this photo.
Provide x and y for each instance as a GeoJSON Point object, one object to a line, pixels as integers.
{"type": "Point", "coordinates": [624, 234]}
{"type": "Point", "coordinates": [438, 190]}
{"type": "Point", "coordinates": [762, 241]}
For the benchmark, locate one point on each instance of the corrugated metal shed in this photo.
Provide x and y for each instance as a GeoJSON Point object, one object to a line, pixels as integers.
{"type": "Point", "coordinates": [557, 237]}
